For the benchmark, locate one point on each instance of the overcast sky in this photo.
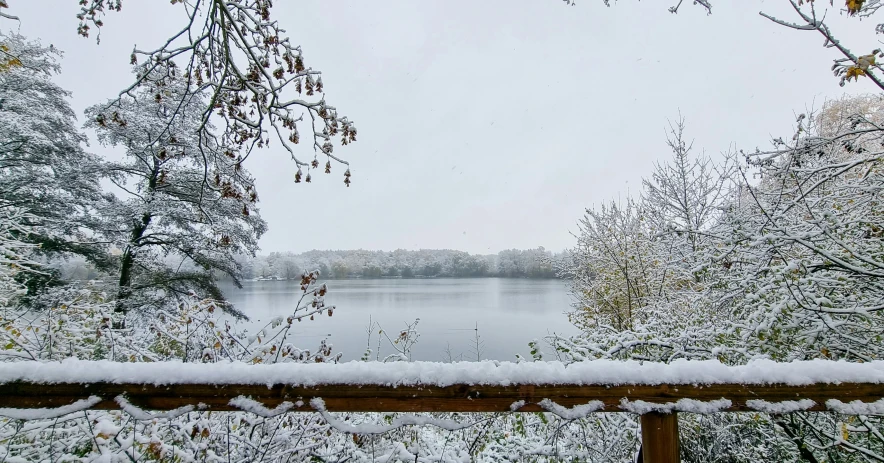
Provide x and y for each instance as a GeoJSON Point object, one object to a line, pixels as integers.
{"type": "Point", "coordinates": [487, 125]}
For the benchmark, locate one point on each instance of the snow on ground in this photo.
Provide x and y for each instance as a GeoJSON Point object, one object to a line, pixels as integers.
{"type": "Point", "coordinates": [444, 374]}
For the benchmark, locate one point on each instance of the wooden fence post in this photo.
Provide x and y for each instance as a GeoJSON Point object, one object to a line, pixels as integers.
{"type": "Point", "coordinates": [660, 438]}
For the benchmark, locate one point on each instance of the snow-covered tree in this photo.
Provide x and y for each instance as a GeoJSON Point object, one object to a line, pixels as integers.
{"type": "Point", "coordinates": [806, 262]}
{"type": "Point", "coordinates": [810, 244]}
{"type": "Point", "coordinates": [685, 195]}
{"type": "Point", "coordinates": [44, 171]}
{"type": "Point", "coordinates": [616, 269]}
{"type": "Point", "coordinates": [185, 193]}
{"type": "Point", "coordinates": [789, 266]}
{"type": "Point", "coordinates": [637, 259]}
{"type": "Point", "coordinates": [640, 273]}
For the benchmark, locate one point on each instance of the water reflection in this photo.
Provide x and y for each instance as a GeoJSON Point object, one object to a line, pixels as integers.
{"type": "Point", "coordinates": [509, 313]}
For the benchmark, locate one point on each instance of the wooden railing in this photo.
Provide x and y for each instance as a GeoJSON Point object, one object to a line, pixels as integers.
{"type": "Point", "coordinates": [659, 402]}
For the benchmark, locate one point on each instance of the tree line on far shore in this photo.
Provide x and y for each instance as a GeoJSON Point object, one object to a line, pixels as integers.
{"type": "Point", "coordinates": [425, 263]}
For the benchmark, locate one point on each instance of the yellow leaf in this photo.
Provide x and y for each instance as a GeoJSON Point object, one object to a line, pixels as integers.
{"type": "Point", "coordinates": [844, 432]}
{"type": "Point", "coordinates": [853, 6]}
{"type": "Point", "coordinates": [854, 72]}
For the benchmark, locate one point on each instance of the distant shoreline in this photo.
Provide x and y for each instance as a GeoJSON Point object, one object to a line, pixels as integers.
{"type": "Point", "coordinates": [428, 263]}
{"type": "Point", "coordinates": [412, 278]}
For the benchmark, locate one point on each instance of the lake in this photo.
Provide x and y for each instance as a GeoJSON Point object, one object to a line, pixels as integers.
{"type": "Point", "coordinates": [508, 312]}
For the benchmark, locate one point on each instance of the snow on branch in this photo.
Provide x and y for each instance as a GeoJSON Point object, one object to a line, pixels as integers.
{"type": "Point", "coordinates": [574, 413]}
{"type": "Point", "coordinates": [254, 83]}
{"type": "Point", "coordinates": [139, 414]}
{"type": "Point", "coordinates": [50, 413]}
{"type": "Point", "coordinates": [398, 422]}
{"type": "Point", "coordinates": [253, 406]}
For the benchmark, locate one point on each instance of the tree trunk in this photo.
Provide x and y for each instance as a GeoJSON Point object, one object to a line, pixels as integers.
{"type": "Point", "coordinates": [128, 261]}
{"type": "Point", "coordinates": [138, 229]}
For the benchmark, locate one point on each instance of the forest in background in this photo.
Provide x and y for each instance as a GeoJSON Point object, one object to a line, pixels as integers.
{"type": "Point", "coordinates": [347, 264]}
{"type": "Point", "coordinates": [425, 263]}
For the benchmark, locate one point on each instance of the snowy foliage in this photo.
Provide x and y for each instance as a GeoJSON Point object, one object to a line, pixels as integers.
{"type": "Point", "coordinates": [14, 255]}
{"type": "Point", "coordinates": [810, 237]}
{"type": "Point", "coordinates": [44, 171]}
{"type": "Point", "coordinates": [635, 259]}
{"type": "Point", "coordinates": [787, 265]}
{"type": "Point", "coordinates": [253, 80]}
{"type": "Point", "coordinates": [186, 193]}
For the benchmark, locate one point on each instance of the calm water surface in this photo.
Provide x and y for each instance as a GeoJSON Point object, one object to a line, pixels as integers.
{"type": "Point", "coordinates": [509, 313]}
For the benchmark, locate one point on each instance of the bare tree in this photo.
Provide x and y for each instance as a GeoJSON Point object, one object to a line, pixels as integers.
{"type": "Point", "coordinates": [685, 194]}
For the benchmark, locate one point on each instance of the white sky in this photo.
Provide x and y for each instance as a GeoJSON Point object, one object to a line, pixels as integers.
{"type": "Point", "coordinates": [492, 125]}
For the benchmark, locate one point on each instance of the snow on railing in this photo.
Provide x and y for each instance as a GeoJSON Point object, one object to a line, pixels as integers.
{"type": "Point", "coordinates": [488, 373]}
{"type": "Point", "coordinates": [629, 386]}
{"type": "Point", "coordinates": [33, 390]}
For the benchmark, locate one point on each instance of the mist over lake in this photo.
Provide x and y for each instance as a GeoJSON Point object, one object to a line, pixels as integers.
{"type": "Point", "coordinates": [509, 314]}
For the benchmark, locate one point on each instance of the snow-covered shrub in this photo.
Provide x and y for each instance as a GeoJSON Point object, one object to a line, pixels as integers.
{"type": "Point", "coordinates": [786, 265]}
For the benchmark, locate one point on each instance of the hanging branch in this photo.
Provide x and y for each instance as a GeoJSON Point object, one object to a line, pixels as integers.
{"type": "Point", "coordinates": [237, 57]}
